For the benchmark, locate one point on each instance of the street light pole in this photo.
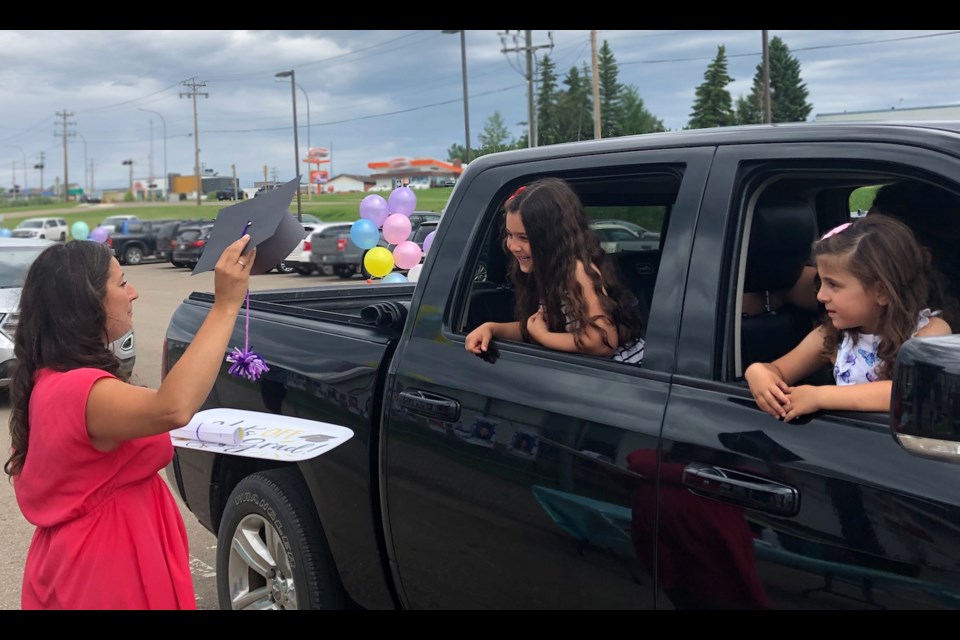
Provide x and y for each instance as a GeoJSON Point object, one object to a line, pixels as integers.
{"type": "Point", "coordinates": [86, 167]}
{"type": "Point", "coordinates": [307, 98]}
{"type": "Point", "coordinates": [466, 106]}
{"type": "Point", "coordinates": [166, 176]}
{"type": "Point", "coordinates": [26, 190]}
{"type": "Point", "coordinates": [296, 143]}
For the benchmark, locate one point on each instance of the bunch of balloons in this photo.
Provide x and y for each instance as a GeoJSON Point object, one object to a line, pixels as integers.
{"type": "Point", "coordinates": [392, 217]}
{"type": "Point", "coordinates": [80, 231]}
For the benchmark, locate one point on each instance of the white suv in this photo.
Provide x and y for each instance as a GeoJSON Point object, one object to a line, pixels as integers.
{"type": "Point", "coordinates": [16, 256]}
{"type": "Point", "coordinates": [42, 229]}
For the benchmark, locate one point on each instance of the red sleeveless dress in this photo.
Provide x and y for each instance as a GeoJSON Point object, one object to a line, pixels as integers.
{"type": "Point", "coordinates": [109, 533]}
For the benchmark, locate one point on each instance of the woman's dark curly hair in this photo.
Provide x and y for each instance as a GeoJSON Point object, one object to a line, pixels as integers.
{"type": "Point", "coordinates": [880, 250]}
{"type": "Point", "coordinates": [62, 327]}
{"type": "Point", "coordinates": [559, 233]}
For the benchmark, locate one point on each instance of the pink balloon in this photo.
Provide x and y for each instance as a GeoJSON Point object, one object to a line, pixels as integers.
{"type": "Point", "coordinates": [428, 242]}
{"type": "Point", "coordinates": [407, 254]}
{"type": "Point", "coordinates": [99, 234]}
{"type": "Point", "coordinates": [402, 200]}
{"type": "Point", "coordinates": [374, 209]}
{"type": "Point", "coordinates": [396, 228]}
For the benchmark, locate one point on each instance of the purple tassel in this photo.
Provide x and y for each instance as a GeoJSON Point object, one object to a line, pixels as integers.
{"type": "Point", "coordinates": [247, 363]}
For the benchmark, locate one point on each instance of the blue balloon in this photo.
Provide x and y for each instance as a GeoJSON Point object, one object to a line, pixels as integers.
{"type": "Point", "coordinates": [393, 278]}
{"type": "Point", "coordinates": [79, 230]}
{"type": "Point", "coordinates": [5, 233]}
{"type": "Point", "coordinates": [364, 234]}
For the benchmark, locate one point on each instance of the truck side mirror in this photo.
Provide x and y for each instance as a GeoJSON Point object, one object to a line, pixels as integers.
{"type": "Point", "coordinates": [925, 403]}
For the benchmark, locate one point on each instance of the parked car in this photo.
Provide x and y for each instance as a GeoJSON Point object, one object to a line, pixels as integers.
{"type": "Point", "coordinates": [321, 233]}
{"type": "Point", "coordinates": [41, 229]}
{"type": "Point", "coordinates": [139, 242]}
{"type": "Point", "coordinates": [115, 223]}
{"type": "Point", "coordinates": [620, 235]}
{"type": "Point", "coordinates": [265, 188]}
{"type": "Point", "coordinates": [189, 244]}
{"type": "Point", "coordinates": [292, 261]}
{"type": "Point", "coordinates": [167, 237]}
{"type": "Point", "coordinates": [16, 256]}
{"type": "Point", "coordinates": [229, 194]}
{"type": "Point", "coordinates": [335, 253]}
{"type": "Point", "coordinates": [90, 199]}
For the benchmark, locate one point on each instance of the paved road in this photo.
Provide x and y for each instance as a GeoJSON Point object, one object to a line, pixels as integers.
{"type": "Point", "coordinates": [161, 289]}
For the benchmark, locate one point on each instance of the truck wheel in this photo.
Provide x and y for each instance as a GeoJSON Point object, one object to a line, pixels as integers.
{"type": "Point", "coordinates": [271, 549]}
{"type": "Point", "coordinates": [362, 269]}
{"type": "Point", "coordinates": [304, 271]}
{"type": "Point", "coordinates": [178, 265]}
{"type": "Point", "coordinates": [345, 271]}
{"type": "Point", "coordinates": [133, 255]}
{"type": "Point", "coordinates": [285, 267]}
{"type": "Point", "coordinates": [63, 236]}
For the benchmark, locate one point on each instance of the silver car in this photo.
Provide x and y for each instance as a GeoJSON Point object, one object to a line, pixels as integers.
{"type": "Point", "coordinates": [16, 256]}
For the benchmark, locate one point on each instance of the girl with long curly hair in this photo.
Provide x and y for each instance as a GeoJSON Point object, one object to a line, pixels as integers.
{"type": "Point", "coordinates": [875, 293]}
{"type": "Point", "coordinates": [568, 295]}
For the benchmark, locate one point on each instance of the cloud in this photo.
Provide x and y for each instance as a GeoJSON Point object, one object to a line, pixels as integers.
{"type": "Point", "coordinates": [374, 94]}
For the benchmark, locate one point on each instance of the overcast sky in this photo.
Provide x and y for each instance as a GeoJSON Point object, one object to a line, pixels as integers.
{"type": "Point", "coordinates": [380, 94]}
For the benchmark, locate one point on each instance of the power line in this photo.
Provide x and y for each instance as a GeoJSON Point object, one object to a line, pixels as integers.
{"type": "Point", "coordinates": [795, 50]}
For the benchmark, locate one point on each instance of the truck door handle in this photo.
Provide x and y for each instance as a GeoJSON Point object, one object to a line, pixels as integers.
{"type": "Point", "coordinates": [430, 405]}
{"type": "Point", "coordinates": [743, 489]}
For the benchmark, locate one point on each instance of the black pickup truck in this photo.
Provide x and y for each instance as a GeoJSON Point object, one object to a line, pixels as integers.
{"type": "Point", "coordinates": [548, 480]}
{"type": "Point", "coordinates": [139, 242]}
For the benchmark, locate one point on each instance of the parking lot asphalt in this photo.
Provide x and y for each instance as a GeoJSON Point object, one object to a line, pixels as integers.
{"type": "Point", "coordinates": [161, 287]}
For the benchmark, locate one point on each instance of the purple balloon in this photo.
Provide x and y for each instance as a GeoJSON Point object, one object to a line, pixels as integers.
{"type": "Point", "coordinates": [407, 254]}
{"type": "Point", "coordinates": [428, 242]}
{"type": "Point", "coordinates": [99, 234]}
{"type": "Point", "coordinates": [396, 228]}
{"type": "Point", "coordinates": [374, 209]}
{"type": "Point", "coordinates": [402, 200]}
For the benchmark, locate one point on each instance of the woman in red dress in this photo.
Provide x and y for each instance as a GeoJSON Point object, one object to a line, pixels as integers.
{"type": "Point", "coordinates": [88, 446]}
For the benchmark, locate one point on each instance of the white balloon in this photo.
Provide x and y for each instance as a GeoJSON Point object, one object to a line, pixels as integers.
{"type": "Point", "coordinates": [414, 274]}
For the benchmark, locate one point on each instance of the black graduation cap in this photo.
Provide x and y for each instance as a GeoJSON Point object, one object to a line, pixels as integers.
{"type": "Point", "coordinates": [274, 231]}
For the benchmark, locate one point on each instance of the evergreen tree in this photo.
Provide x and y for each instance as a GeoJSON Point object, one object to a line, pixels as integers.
{"type": "Point", "coordinates": [575, 107]}
{"type": "Point", "coordinates": [494, 136]}
{"type": "Point", "coordinates": [457, 152]}
{"type": "Point", "coordinates": [635, 117]}
{"type": "Point", "coordinates": [548, 125]}
{"type": "Point", "coordinates": [712, 108]}
{"type": "Point", "coordinates": [788, 92]}
{"type": "Point", "coordinates": [749, 111]}
{"type": "Point", "coordinates": [611, 113]}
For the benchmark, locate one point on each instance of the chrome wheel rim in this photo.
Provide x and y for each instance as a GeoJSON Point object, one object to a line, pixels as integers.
{"type": "Point", "coordinates": [259, 571]}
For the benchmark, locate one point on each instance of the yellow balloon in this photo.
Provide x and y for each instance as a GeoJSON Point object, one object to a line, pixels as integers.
{"type": "Point", "coordinates": [378, 261]}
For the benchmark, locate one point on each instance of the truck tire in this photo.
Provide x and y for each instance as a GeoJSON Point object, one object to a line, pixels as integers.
{"type": "Point", "coordinates": [285, 267]}
{"type": "Point", "coordinates": [271, 548]}
{"type": "Point", "coordinates": [345, 270]}
{"type": "Point", "coordinates": [133, 255]}
{"type": "Point", "coordinates": [305, 271]}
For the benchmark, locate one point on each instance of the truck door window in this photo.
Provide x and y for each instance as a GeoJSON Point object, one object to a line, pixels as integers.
{"type": "Point", "coordinates": [628, 213]}
{"type": "Point", "coordinates": [784, 213]}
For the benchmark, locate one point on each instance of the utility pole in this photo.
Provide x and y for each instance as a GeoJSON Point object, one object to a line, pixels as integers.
{"type": "Point", "coordinates": [767, 111]}
{"type": "Point", "coordinates": [150, 189]}
{"type": "Point", "coordinates": [92, 188]}
{"type": "Point", "coordinates": [194, 84]}
{"type": "Point", "coordinates": [528, 49]}
{"type": "Point", "coordinates": [236, 191]}
{"type": "Point", "coordinates": [596, 85]}
{"type": "Point", "coordinates": [66, 180]}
